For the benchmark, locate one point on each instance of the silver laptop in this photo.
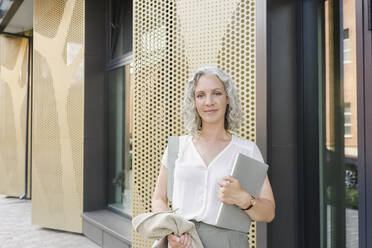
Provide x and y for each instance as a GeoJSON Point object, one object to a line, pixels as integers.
{"type": "Point", "coordinates": [251, 174]}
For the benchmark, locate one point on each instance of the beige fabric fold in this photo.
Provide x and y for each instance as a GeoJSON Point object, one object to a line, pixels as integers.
{"type": "Point", "coordinates": [158, 225]}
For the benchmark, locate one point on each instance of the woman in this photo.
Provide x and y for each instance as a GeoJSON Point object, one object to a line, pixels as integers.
{"type": "Point", "coordinates": [211, 110]}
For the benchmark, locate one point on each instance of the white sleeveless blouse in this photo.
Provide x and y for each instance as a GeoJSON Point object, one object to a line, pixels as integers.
{"type": "Point", "coordinates": [195, 186]}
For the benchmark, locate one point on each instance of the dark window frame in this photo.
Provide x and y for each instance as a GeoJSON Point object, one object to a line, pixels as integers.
{"type": "Point", "coordinates": [364, 79]}
{"type": "Point", "coordinates": [308, 119]}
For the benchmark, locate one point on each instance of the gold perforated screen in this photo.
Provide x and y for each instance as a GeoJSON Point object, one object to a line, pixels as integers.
{"type": "Point", "coordinates": [13, 111]}
{"type": "Point", "coordinates": [58, 114]}
{"type": "Point", "coordinates": [171, 40]}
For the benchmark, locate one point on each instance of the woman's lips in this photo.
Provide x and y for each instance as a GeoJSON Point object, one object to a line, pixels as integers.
{"type": "Point", "coordinates": [210, 111]}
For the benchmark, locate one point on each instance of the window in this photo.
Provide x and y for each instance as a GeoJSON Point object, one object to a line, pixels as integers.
{"type": "Point", "coordinates": [347, 120]}
{"type": "Point", "coordinates": [4, 8]}
{"type": "Point", "coordinates": [346, 43]}
{"type": "Point", "coordinates": [120, 27]}
{"type": "Point", "coordinates": [119, 117]}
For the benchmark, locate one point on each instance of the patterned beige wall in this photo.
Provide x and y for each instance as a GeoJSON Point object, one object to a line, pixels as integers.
{"type": "Point", "coordinates": [171, 40]}
{"type": "Point", "coordinates": [57, 177]}
{"type": "Point", "coordinates": [13, 106]}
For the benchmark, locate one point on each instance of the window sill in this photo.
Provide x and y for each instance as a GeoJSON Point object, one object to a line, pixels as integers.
{"type": "Point", "coordinates": [104, 226]}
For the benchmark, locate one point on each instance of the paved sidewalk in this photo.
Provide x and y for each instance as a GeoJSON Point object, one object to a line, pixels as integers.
{"type": "Point", "coordinates": [16, 230]}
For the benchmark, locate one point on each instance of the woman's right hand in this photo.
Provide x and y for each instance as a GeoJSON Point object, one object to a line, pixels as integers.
{"type": "Point", "coordinates": [183, 241]}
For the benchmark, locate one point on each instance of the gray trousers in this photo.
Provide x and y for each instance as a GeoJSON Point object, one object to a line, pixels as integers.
{"type": "Point", "coordinates": [217, 237]}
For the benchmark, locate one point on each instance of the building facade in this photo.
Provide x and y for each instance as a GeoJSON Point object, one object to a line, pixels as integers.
{"type": "Point", "coordinates": [90, 91]}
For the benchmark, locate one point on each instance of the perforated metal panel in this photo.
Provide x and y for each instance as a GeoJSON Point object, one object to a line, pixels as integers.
{"type": "Point", "coordinates": [58, 114]}
{"type": "Point", "coordinates": [171, 40]}
{"type": "Point", "coordinates": [13, 104]}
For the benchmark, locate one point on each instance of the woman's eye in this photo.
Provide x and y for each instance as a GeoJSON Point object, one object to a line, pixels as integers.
{"type": "Point", "coordinates": [199, 96]}
{"type": "Point", "coordinates": [218, 93]}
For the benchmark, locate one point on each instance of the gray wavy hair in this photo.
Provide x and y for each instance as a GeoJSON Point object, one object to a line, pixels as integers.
{"type": "Point", "coordinates": [233, 115]}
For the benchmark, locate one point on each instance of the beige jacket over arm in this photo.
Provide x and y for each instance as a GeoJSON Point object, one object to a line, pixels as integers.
{"type": "Point", "coordinates": [159, 225]}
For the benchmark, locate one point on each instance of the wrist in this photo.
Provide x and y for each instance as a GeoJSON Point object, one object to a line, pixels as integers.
{"type": "Point", "coordinates": [252, 202]}
{"type": "Point", "coordinates": [245, 200]}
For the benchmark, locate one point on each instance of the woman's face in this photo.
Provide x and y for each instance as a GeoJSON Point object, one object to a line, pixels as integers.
{"type": "Point", "coordinates": [210, 99]}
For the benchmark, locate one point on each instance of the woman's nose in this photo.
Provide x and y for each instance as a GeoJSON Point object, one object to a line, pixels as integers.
{"type": "Point", "coordinates": [209, 100]}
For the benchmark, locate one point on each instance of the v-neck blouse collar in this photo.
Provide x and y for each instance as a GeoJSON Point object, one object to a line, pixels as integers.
{"type": "Point", "coordinates": [216, 157]}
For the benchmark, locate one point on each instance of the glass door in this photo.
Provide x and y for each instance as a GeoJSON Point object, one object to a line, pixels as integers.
{"type": "Point", "coordinates": [338, 127]}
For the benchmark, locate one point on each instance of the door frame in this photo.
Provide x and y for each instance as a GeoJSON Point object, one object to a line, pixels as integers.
{"type": "Point", "coordinates": [308, 176]}
{"type": "Point", "coordinates": [364, 91]}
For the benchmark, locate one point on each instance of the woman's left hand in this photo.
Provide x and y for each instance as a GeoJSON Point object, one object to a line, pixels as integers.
{"type": "Point", "coordinates": [230, 192]}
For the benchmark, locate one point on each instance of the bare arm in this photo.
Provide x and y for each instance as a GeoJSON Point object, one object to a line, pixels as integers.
{"type": "Point", "coordinates": [160, 203]}
{"type": "Point", "coordinates": [159, 199]}
{"type": "Point", "coordinates": [264, 210]}
{"type": "Point", "coordinates": [232, 193]}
